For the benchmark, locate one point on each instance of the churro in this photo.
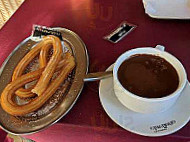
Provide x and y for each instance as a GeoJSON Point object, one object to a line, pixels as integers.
{"type": "Point", "coordinates": [48, 72]}
{"type": "Point", "coordinates": [22, 92]}
{"type": "Point", "coordinates": [26, 93]}
{"type": "Point", "coordinates": [64, 63]}
{"type": "Point", "coordinates": [7, 96]}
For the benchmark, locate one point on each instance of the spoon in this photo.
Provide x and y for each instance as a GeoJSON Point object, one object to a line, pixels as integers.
{"type": "Point", "coordinates": [98, 76]}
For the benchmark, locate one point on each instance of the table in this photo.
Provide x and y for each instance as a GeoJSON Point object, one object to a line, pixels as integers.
{"type": "Point", "coordinates": [92, 20]}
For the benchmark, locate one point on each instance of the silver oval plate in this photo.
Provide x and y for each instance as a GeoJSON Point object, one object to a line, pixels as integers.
{"type": "Point", "coordinates": [36, 121]}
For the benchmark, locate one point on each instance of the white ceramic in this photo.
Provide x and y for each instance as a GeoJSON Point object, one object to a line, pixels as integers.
{"type": "Point", "coordinates": [157, 124]}
{"type": "Point", "coordinates": [148, 105]}
{"type": "Point", "coordinates": [167, 9]}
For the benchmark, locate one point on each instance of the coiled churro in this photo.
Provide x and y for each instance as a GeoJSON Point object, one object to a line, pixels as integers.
{"type": "Point", "coordinates": [44, 87]}
{"type": "Point", "coordinates": [7, 95]}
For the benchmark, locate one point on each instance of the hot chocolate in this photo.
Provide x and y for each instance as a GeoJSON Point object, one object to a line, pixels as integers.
{"type": "Point", "coordinates": [148, 76]}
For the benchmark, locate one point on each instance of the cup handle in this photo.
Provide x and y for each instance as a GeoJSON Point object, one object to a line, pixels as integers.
{"type": "Point", "coordinates": [160, 47]}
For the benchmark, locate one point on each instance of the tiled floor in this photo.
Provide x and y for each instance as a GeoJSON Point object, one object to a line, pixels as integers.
{"type": "Point", "coordinates": [7, 8]}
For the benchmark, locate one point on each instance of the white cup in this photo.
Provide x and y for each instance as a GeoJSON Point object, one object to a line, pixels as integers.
{"type": "Point", "coordinates": [148, 105]}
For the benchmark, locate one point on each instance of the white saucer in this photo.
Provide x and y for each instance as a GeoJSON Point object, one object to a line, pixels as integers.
{"type": "Point", "coordinates": [158, 124]}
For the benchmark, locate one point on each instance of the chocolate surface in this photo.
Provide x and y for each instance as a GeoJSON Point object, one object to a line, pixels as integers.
{"type": "Point", "coordinates": [148, 76]}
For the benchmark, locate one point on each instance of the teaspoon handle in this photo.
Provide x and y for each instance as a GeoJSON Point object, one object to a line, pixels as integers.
{"type": "Point", "coordinates": [97, 76]}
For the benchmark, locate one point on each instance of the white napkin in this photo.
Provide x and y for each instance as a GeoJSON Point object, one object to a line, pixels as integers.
{"type": "Point", "coordinates": [171, 9]}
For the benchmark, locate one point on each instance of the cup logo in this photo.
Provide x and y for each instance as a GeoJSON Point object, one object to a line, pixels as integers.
{"type": "Point", "coordinates": [162, 127]}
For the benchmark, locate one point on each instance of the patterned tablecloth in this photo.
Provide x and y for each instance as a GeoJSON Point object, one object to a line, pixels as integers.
{"type": "Point", "coordinates": [92, 20]}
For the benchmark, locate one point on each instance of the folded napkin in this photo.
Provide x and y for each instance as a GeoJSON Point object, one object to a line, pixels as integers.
{"type": "Point", "coordinates": [168, 9]}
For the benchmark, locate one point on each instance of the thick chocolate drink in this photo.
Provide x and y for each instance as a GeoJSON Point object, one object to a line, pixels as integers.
{"type": "Point", "coordinates": [148, 76]}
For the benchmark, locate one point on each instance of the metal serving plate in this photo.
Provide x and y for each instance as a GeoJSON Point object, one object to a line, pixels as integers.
{"type": "Point", "coordinates": [17, 126]}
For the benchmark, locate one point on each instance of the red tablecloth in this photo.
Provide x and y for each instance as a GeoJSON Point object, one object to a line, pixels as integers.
{"type": "Point", "coordinates": [91, 20]}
